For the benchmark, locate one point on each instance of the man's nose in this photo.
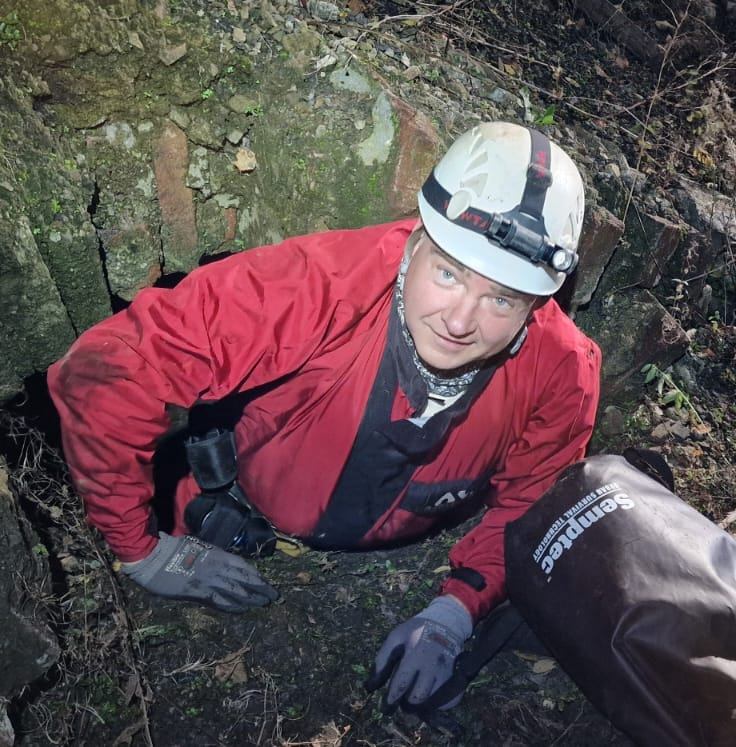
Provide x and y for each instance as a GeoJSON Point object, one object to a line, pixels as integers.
{"type": "Point", "coordinates": [460, 317]}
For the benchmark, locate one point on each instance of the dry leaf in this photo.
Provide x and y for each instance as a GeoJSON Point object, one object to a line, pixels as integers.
{"type": "Point", "coordinates": [442, 569]}
{"type": "Point", "coordinates": [231, 670]}
{"type": "Point", "coordinates": [245, 160]}
{"type": "Point", "coordinates": [291, 548]}
{"type": "Point", "coordinates": [304, 577]}
{"type": "Point", "coordinates": [132, 687]}
{"type": "Point", "coordinates": [543, 666]}
{"type": "Point", "coordinates": [703, 157]}
{"type": "Point", "coordinates": [600, 72]}
{"type": "Point", "coordinates": [126, 736]}
{"type": "Point", "coordinates": [701, 429]}
{"type": "Point", "coordinates": [330, 736]}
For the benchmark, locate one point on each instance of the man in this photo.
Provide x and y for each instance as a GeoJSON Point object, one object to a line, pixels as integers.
{"type": "Point", "coordinates": [380, 403]}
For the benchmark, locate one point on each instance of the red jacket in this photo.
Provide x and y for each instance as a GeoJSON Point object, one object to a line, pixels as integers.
{"type": "Point", "coordinates": [310, 315]}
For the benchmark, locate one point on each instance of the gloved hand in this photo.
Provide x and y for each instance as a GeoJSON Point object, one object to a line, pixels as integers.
{"type": "Point", "coordinates": [188, 568]}
{"type": "Point", "coordinates": [419, 654]}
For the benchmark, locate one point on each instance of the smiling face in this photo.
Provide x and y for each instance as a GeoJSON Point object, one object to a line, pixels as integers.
{"type": "Point", "coordinates": [454, 315]}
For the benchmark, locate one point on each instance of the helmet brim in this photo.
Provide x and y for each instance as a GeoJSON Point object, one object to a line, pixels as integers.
{"type": "Point", "coordinates": [486, 258]}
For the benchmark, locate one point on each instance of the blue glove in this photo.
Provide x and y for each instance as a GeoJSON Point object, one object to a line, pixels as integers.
{"type": "Point", "coordinates": [419, 655]}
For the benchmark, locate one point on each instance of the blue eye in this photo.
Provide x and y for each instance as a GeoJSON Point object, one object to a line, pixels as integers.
{"type": "Point", "coordinates": [445, 275]}
{"type": "Point", "coordinates": [501, 301]}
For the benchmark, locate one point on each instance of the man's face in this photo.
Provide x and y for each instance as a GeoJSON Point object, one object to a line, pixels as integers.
{"type": "Point", "coordinates": [454, 315]}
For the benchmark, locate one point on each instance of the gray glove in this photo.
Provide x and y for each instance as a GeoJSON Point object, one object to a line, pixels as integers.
{"type": "Point", "coordinates": [419, 655]}
{"type": "Point", "coordinates": [187, 568]}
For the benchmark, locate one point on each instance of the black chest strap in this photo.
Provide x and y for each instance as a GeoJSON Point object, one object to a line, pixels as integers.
{"type": "Point", "coordinates": [385, 454]}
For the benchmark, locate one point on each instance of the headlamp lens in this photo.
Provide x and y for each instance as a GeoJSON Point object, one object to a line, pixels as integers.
{"type": "Point", "coordinates": [562, 260]}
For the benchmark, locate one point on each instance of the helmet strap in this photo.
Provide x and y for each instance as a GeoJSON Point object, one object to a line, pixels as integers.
{"type": "Point", "coordinates": [520, 230]}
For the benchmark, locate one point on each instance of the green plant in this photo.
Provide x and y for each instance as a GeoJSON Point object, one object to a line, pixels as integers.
{"type": "Point", "coordinates": [10, 33]}
{"type": "Point", "coordinates": [55, 206]}
{"type": "Point", "coordinates": [253, 111]}
{"type": "Point", "coordinates": [547, 117]}
{"type": "Point", "coordinates": [208, 93]}
{"type": "Point", "coordinates": [668, 392]}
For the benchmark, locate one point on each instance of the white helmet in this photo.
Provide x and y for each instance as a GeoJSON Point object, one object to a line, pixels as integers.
{"type": "Point", "coordinates": [507, 203]}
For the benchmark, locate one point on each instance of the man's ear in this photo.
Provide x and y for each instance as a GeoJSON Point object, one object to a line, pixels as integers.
{"type": "Point", "coordinates": [412, 243]}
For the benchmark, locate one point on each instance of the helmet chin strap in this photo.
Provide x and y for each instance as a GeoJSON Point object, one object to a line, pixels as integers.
{"type": "Point", "coordinates": [518, 340]}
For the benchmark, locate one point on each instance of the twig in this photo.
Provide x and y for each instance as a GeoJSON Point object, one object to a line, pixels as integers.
{"type": "Point", "coordinates": [654, 97]}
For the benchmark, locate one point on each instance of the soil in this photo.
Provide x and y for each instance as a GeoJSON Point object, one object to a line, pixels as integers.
{"type": "Point", "coordinates": [140, 670]}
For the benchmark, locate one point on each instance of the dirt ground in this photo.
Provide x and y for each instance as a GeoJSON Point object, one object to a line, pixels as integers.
{"type": "Point", "coordinates": [141, 670]}
{"type": "Point", "coordinates": [138, 670]}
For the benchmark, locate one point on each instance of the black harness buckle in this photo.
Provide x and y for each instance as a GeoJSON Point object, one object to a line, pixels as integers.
{"type": "Point", "coordinates": [222, 514]}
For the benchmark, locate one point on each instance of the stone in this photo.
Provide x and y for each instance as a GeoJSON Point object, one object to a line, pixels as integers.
{"type": "Point", "coordinates": [376, 147]}
{"type": "Point", "coordinates": [235, 136]}
{"type": "Point", "coordinates": [323, 11]}
{"type": "Point", "coordinates": [27, 647]}
{"type": "Point", "coordinates": [179, 224]}
{"type": "Point", "coordinates": [133, 258]}
{"type": "Point", "coordinates": [598, 240]}
{"type": "Point", "coordinates": [660, 432]}
{"type": "Point", "coordinates": [241, 104]}
{"type": "Point", "coordinates": [52, 284]}
{"type": "Point", "coordinates": [207, 129]}
{"type": "Point", "coordinates": [35, 328]}
{"type": "Point", "coordinates": [612, 421]}
{"type": "Point", "coordinates": [172, 54]}
{"type": "Point", "coordinates": [708, 243]}
{"type": "Point", "coordinates": [179, 117]}
{"type": "Point", "coordinates": [348, 79]}
{"type": "Point", "coordinates": [680, 431]}
{"type": "Point", "coordinates": [503, 97]}
{"type": "Point", "coordinates": [418, 149]}
{"type": "Point", "coordinates": [632, 328]}
{"type": "Point", "coordinates": [649, 242]}
{"type": "Point", "coordinates": [198, 174]}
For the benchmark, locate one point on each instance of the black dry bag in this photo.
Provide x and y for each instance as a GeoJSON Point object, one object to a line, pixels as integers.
{"type": "Point", "coordinates": [634, 593]}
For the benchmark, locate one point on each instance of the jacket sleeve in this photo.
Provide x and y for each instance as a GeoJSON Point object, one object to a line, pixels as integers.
{"type": "Point", "coordinates": [245, 319]}
{"type": "Point", "coordinates": [555, 436]}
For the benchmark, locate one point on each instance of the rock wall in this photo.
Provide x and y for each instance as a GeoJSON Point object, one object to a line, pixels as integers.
{"type": "Point", "coordinates": [135, 142]}
{"type": "Point", "coordinates": [28, 649]}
